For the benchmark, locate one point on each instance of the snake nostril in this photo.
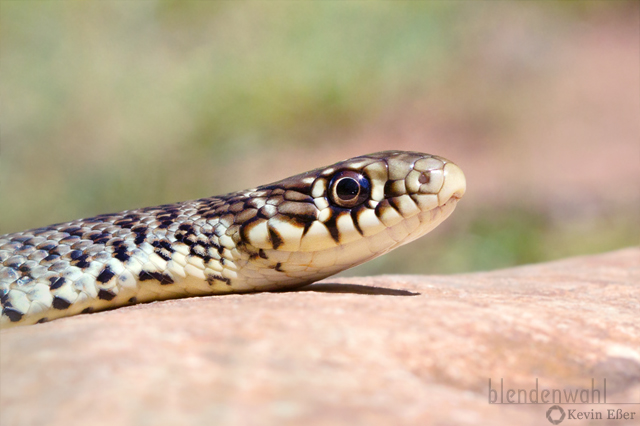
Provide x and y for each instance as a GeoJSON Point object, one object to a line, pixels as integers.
{"type": "Point", "coordinates": [424, 177]}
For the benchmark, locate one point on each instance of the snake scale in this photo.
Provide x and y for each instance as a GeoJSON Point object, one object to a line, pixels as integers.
{"type": "Point", "coordinates": [281, 235]}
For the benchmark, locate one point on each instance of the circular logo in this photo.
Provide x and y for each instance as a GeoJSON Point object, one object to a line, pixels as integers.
{"type": "Point", "coordinates": [554, 418]}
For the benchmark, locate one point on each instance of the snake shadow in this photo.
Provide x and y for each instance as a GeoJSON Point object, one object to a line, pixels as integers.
{"type": "Point", "coordinates": [356, 289]}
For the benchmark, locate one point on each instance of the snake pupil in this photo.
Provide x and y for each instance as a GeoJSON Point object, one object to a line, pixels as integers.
{"type": "Point", "coordinates": [347, 189]}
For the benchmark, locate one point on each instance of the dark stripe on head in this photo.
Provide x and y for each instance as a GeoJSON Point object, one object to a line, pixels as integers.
{"type": "Point", "coordinates": [332, 226]}
{"type": "Point", "coordinates": [307, 226]}
{"type": "Point", "coordinates": [274, 236]}
{"type": "Point", "coordinates": [354, 218]}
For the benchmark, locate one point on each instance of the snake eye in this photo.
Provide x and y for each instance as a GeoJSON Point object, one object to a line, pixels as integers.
{"type": "Point", "coordinates": [348, 189]}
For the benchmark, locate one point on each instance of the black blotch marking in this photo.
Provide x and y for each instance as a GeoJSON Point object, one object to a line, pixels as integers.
{"type": "Point", "coordinates": [60, 303]}
{"type": "Point", "coordinates": [121, 254]}
{"type": "Point", "coordinates": [278, 267]}
{"type": "Point", "coordinates": [20, 239]}
{"type": "Point", "coordinates": [105, 275]}
{"type": "Point", "coordinates": [159, 276]}
{"type": "Point", "coordinates": [93, 235]}
{"type": "Point", "coordinates": [167, 216]}
{"type": "Point", "coordinates": [133, 300]}
{"type": "Point", "coordinates": [145, 276]}
{"type": "Point", "coordinates": [262, 254]}
{"type": "Point", "coordinates": [200, 252]}
{"type": "Point", "coordinates": [186, 227]}
{"type": "Point", "coordinates": [71, 240]}
{"type": "Point", "coordinates": [116, 242]}
{"type": "Point", "coordinates": [141, 233]}
{"type": "Point", "coordinates": [4, 298]}
{"type": "Point", "coordinates": [70, 229]}
{"type": "Point", "coordinates": [354, 219]}
{"type": "Point", "coordinates": [383, 204]}
{"type": "Point", "coordinates": [393, 202]}
{"type": "Point", "coordinates": [73, 230]}
{"type": "Point", "coordinates": [74, 254]}
{"type": "Point", "coordinates": [105, 294]}
{"type": "Point", "coordinates": [24, 268]}
{"type": "Point", "coordinates": [214, 277]}
{"type": "Point", "coordinates": [102, 239]}
{"type": "Point", "coordinates": [46, 246]}
{"type": "Point", "coordinates": [307, 226]}
{"type": "Point", "coordinates": [276, 239]}
{"type": "Point", "coordinates": [14, 316]}
{"type": "Point", "coordinates": [167, 246]}
{"type": "Point", "coordinates": [388, 191]}
{"type": "Point", "coordinates": [41, 320]}
{"type": "Point", "coordinates": [51, 257]}
{"type": "Point", "coordinates": [81, 262]}
{"type": "Point", "coordinates": [333, 228]}
{"type": "Point", "coordinates": [87, 310]}
{"type": "Point", "coordinates": [180, 235]}
{"type": "Point", "coordinates": [56, 282]}
{"type": "Point", "coordinates": [190, 239]}
{"type": "Point", "coordinates": [163, 253]}
{"type": "Point", "coordinates": [98, 237]}
{"type": "Point", "coordinates": [163, 244]}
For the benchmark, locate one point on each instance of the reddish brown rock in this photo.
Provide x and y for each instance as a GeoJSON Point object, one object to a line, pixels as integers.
{"type": "Point", "coordinates": [373, 350]}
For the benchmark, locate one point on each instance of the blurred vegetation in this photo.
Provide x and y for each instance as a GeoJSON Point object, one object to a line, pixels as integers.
{"type": "Point", "coordinates": [111, 105]}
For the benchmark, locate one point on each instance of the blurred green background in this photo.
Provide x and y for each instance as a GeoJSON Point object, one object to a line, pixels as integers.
{"type": "Point", "coordinates": [113, 105]}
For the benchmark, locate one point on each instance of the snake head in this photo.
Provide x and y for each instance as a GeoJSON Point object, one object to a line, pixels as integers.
{"type": "Point", "coordinates": [329, 219]}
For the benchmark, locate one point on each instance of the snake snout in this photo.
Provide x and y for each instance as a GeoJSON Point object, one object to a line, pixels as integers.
{"type": "Point", "coordinates": [454, 185]}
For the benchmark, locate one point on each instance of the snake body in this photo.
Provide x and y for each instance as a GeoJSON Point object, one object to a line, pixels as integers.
{"type": "Point", "coordinates": [281, 235]}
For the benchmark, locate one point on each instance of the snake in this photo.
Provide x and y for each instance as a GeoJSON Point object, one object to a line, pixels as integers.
{"type": "Point", "coordinates": [278, 236]}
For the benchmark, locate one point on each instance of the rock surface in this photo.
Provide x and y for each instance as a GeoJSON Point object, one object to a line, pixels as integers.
{"type": "Point", "coordinates": [372, 350]}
